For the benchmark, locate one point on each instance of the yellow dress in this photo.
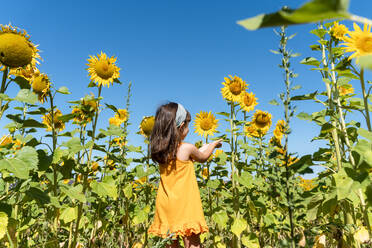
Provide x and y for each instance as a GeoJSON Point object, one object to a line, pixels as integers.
{"type": "Point", "coordinates": [178, 205]}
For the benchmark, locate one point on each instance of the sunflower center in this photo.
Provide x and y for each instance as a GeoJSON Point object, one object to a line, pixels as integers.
{"type": "Point", "coordinates": [364, 44]}
{"type": "Point", "coordinates": [104, 69]}
{"type": "Point", "coordinates": [262, 120]}
{"type": "Point", "coordinates": [248, 100]}
{"type": "Point", "coordinates": [15, 50]}
{"type": "Point", "coordinates": [206, 124]}
{"type": "Point", "coordinates": [235, 88]}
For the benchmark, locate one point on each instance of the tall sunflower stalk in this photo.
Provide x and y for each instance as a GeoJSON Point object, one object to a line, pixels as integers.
{"type": "Point", "coordinates": [233, 146]}
{"type": "Point", "coordinates": [288, 112]}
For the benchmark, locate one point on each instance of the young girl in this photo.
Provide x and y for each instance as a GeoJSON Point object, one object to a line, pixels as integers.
{"type": "Point", "coordinates": [178, 205]}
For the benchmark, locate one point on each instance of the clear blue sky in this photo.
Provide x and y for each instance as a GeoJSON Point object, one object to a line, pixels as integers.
{"type": "Point", "coordinates": [170, 50]}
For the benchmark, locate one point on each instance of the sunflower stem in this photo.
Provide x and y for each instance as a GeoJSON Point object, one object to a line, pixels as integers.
{"type": "Point", "coordinates": [330, 105]}
{"type": "Point", "coordinates": [236, 240]}
{"type": "Point", "coordinates": [85, 175]}
{"type": "Point", "coordinates": [2, 90]}
{"type": "Point", "coordinates": [365, 97]}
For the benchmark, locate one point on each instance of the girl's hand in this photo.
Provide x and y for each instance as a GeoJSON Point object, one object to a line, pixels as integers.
{"type": "Point", "coordinates": [218, 143]}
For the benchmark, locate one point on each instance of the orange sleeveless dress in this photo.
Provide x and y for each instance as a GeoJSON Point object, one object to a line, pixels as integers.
{"type": "Point", "coordinates": [178, 205]}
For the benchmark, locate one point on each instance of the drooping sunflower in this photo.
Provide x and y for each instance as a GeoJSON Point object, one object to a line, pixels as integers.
{"type": "Point", "coordinates": [280, 129]}
{"type": "Point", "coordinates": [233, 88]}
{"type": "Point", "coordinates": [84, 112]}
{"type": "Point", "coordinates": [205, 124]}
{"type": "Point", "coordinates": [247, 101]}
{"type": "Point", "coordinates": [251, 130]}
{"type": "Point", "coordinates": [262, 120]}
{"type": "Point", "coordinates": [359, 42]}
{"type": "Point", "coordinates": [275, 141]}
{"type": "Point", "coordinates": [102, 69]}
{"type": "Point", "coordinates": [58, 124]}
{"type": "Point", "coordinates": [41, 86]}
{"type": "Point", "coordinates": [16, 49]}
{"type": "Point", "coordinates": [27, 72]}
{"type": "Point", "coordinates": [146, 126]}
{"type": "Point", "coordinates": [338, 31]}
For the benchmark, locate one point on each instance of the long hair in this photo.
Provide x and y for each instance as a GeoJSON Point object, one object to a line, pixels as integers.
{"type": "Point", "coordinates": [166, 136]}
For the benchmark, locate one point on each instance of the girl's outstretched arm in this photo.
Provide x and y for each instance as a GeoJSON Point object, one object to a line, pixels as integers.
{"type": "Point", "coordinates": [201, 155]}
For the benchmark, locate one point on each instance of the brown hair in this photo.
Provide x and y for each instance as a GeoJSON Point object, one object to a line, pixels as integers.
{"type": "Point", "coordinates": [165, 137]}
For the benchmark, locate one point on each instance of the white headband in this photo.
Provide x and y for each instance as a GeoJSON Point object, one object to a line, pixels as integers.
{"type": "Point", "coordinates": [180, 115]}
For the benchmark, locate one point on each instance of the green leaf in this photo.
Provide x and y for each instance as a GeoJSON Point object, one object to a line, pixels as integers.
{"type": "Point", "coordinates": [69, 214]}
{"type": "Point", "coordinates": [238, 226]}
{"type": "Point", "coordinates": [363, 148]}
{"type": "Point", "coordinates": [73, 145]}
{"type": "Point", "coordinates": [273, 102]}
{"type": "Point", "coordinates": [3, 224]}
{"type": "Point", "coordinates": [105, 188]}
{"type": "Point", "coordinates": [24, 161]}
{"type": "Point", "coordinates": [220, 218]}
{"type": "Point", "coordinates": [345, 185]}
{"type": "Point", "coordinates": [304, 97]}
{"type": "Point", "coordinates": [140, 217]}
{"type": "Point", "coordinates": [64, 90]}
{"type": "Point", "coordinates": [74, 192]}
{"type": "Point", "coordinates": [27, 96]}
{"type": "Point", "coordinates": [245, 179]}
{"type": "Point", "coordinates": [128, 191]}
{"type": "Point", "coordinates": [304, 116]}
{"type": "Point", "coordinates": [251, 241]}
{"type": "Point", "coordinates": [313, 11]}
{"type": "Point", "coordinates": [32, 123]}
{"type": "Point", "coordinates": [310, 61]}
{"type": "Point", "coordinates": [39, 195]}
{"type": "Point", "coordinates": [365, 133]}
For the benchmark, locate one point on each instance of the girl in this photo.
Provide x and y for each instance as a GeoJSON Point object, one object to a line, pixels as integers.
{"type": "Point", "coordinates": [178, 205]}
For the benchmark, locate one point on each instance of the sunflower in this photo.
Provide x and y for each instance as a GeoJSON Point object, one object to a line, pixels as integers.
{"type": "Point", "coordinates": [41, 86]}
{"type": "Point", "coordinates": [280, 129]}
{"type": "Point", "coordinates": [122, 114]}
{"type": "Point", "coordinates": [102, 69]}
{"type": "Point", "coordinates": [95, 166]}
{"type": "Point", "coordinates": [205, 173]}
{"type": "Point", "coordinates": [115, 121]}
{"type": "Point", "coordinates": [118, 142]}
{"type": "Point", "coordinates": [359, 42]}
{"type": "Point", "coordinates": [58, 124]}
{"type": "Point", "coordinates": [247, 101]}
{"type": "Point", "coordinates": [306, 184]}
{"type": "Point", "coordinates": [275, 141]}
{"type": "Point", "coordinates": [16, 49]}
{"type": "Point", "coordinates": [251, 130]}
{"type": "Point", "coordinates": [233, 88]}
{"type": "Point", "coordinates": [345, 90]}
{"type": "Point", "coordinates": [215, 155]}
{"type": "Point", "coordinates": [84, 112]}
{"type": "Point", "coordinates": [146, 126]}
{"type": "Point", "coordinates": [6, 140]}
{"type": "Point", "coordinates": [338, 31]}
{"type": "Point", "coordinates": [262, 120]}
{"type": "Point", "coordinates": [205, 124]}
{"type": "Point", "coordinates": [27, 72]}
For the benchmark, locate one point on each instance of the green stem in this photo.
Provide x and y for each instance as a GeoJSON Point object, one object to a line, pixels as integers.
{"type": "Point", "coordinates": [365, 97]}
{"type": "Point", "coordinates": [85, 175]}
{"type": "Point", "coordinates": [3, 88]}
{"type": "Point", "coordinates": [330, 102]}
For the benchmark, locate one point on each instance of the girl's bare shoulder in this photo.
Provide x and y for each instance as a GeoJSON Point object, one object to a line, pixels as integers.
{"type": "Point", "coordinates": [184, 151]}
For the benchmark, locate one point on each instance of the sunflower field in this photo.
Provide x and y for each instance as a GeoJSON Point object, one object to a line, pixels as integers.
{"type": "Point", "coordinates": [67, 182]}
